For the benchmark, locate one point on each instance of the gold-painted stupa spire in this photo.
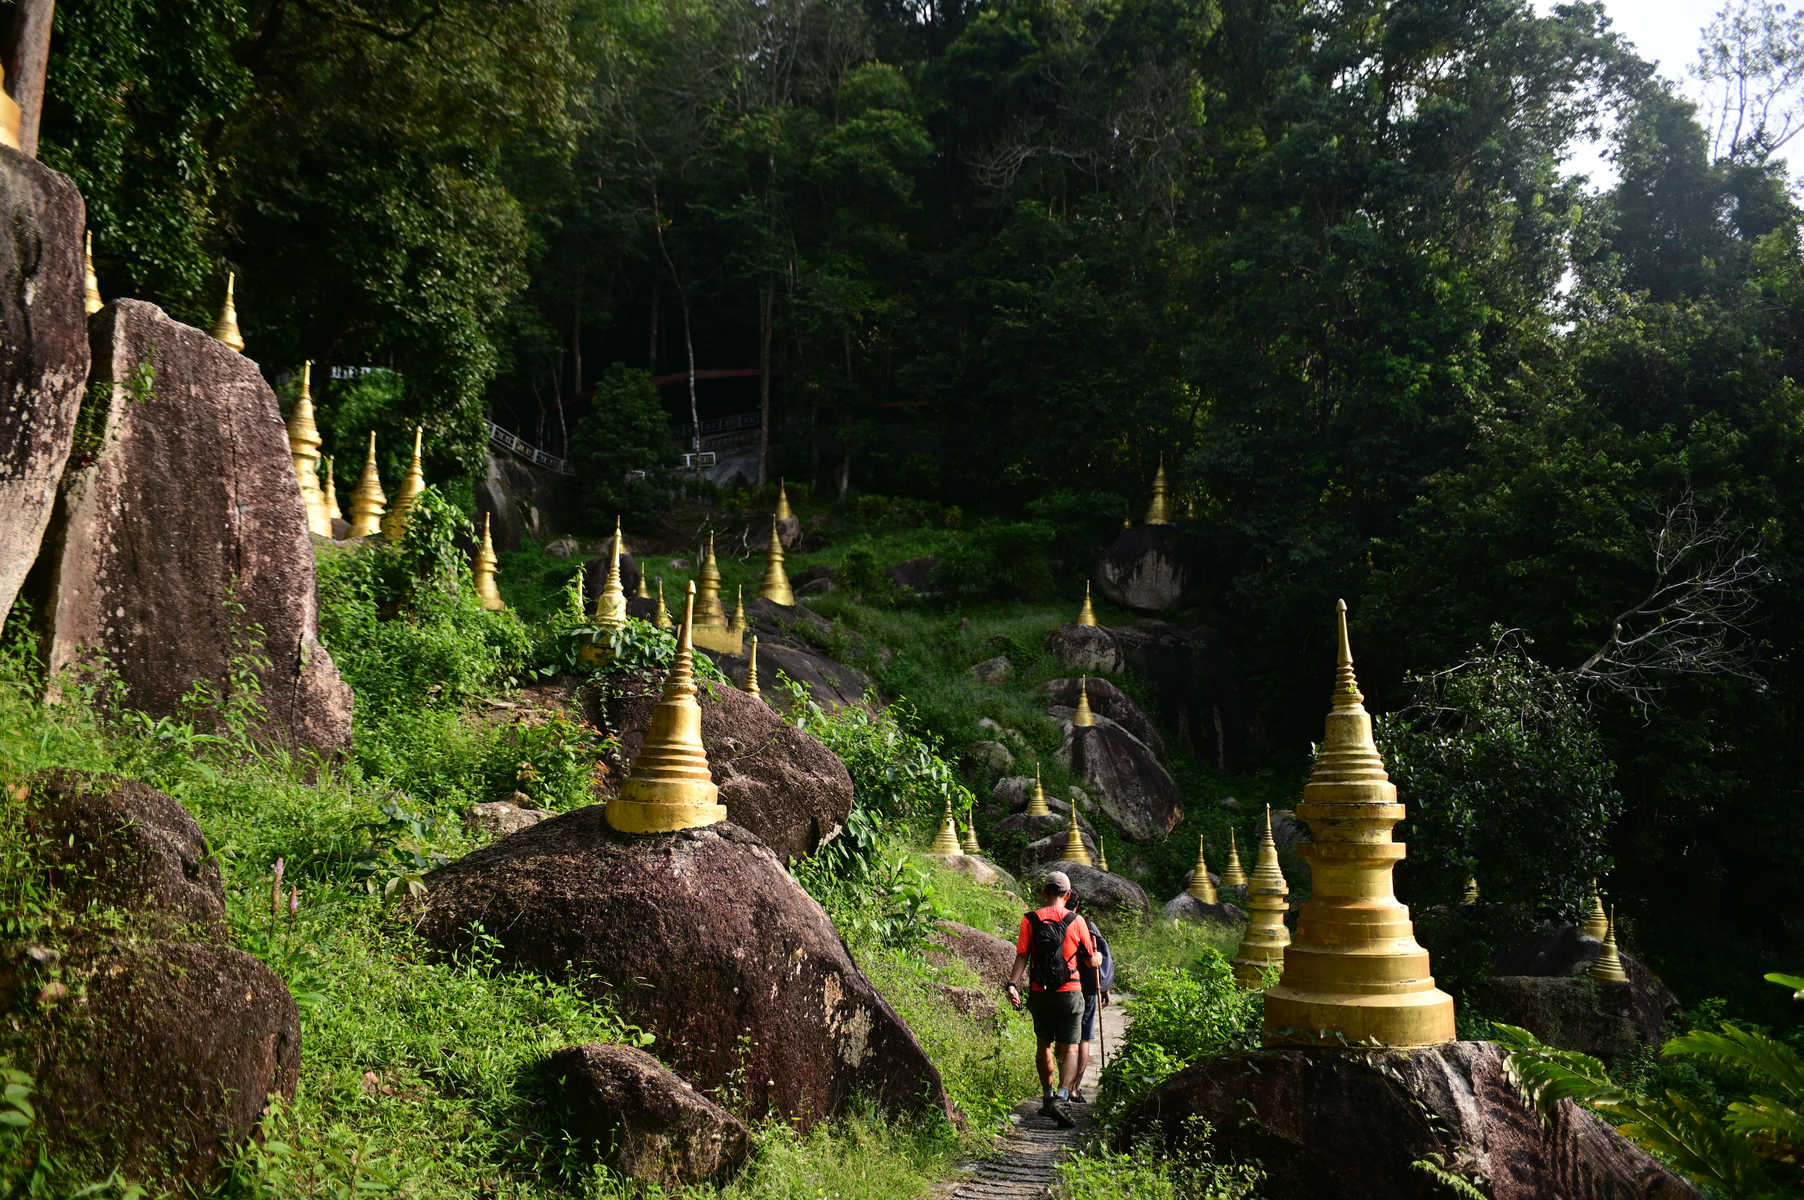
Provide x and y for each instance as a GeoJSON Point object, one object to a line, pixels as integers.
{"type": "Point", "coordinates": [708, 609]}
{"type": "Point", "coordinates": [1354, 973]}
{"type": "Point", "coordinates": [412, 484]}
{"type": "Point", "coordinates": [486, 565]}
{"type": "Point", "coordinates": [1201, 886]}
{"type": "Point", "coordinates": [662, 617]}
{"type": "Point", "coordinates": [641, 591]}
{"type": "Point", "coordinates": [1102, 856]}
{"type": "Point", "coordinates": [1086, 615]}
{"type": "Point", "coordinates": [775, 584]}
{"type": "Point", "coordinates": [971, 846]}
{"type": "Point", "coordinates": [1159, 511]}
{"type": "Point", "coordinates": [367, 500]}
{"type": "Point", "coordinates": [610, 603]}
{"type": "Point", "coordinates": [1233, 875]}
{"type": "Point", "coordinates": [1036, 807]}
{"type": "Point", "coordinates": [737, 624]}
{"type": "Point", "coordinates": [1083, 718]}
{"type": "Point", "coordinates": [1607, 966]}
{"type": "Point", "coordinates": [1262, 944]}
{"type": "Point", "coordinates": [1075, 851]}
{"type": "Point", "coordinates": [670, 786]}
{"type": "Point", "coordinates": [333, 512]}
{"type": "Point", "coordinates": [303, 445]}
{"type": "Point", "coordinates": [225, 328]}
{"type": "Point", "coordinates": [946, 840]}
{"type": "Point", "coordinates": [1470, 895]}
{"type": "Point", "coordinates": [783, 512]}
{"type": "Point", "coordinates": [90, 282]}
{"type": "Point", "coordinates": [751, 670]}
{"type": "Point", "coordinates": [1593, 921]}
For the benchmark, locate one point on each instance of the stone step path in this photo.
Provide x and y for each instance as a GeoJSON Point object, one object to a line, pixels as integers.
{"type": "Point", "coordinates": [1021, 1166]}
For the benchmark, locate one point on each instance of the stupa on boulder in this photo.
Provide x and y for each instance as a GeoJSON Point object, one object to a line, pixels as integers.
{"type": "Point", "coordinates": [610, 605]}
{"type": "Point", "coordinates": [946, 841]}
{"type": "Point", "coordinates": [412, 484]}
{"type": "Point", "coordinates": [225, 329]}
{"type": "Point", "coordinates": [367, 500]}
{"type": "Point", "coordinates": [1158, 512]}
{"type": "Point", "coordinates": [303, 443]}
{"type": "Point", "coordinates": [1262, 944]}
{"type": "Point", "coordinates": [774, 586]}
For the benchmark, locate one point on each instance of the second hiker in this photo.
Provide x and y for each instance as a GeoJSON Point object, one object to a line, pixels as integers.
{"type": "Point", "coordinates": [1051, 944]}
{"type": "Point", "coordinates": [1098, 982]}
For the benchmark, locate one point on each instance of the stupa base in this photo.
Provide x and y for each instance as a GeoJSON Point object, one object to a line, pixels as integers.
{"type": "Point", "coordinates": [1402, 1022]}
{"type": "Point", "coordinates": [638, 816]}
{"type": "Point", "coordinates": [719, 638]}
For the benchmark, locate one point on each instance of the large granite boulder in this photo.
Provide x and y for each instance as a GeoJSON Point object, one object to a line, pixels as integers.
{"type": "Point", "coordinates": [158, 1057]}
{"type": "Point", "coordinates": [1152, 568]}
{"type": "Point", "coordinates": [1086, 649]}
{"type": "Point", "coordinates": [789, 640]}
{"type": "Point", "coordinates": [1106, 700]}
{"type": "Point", "coordinates": [776, 781]}
{"type": "Point", "coordinates": [1125, 777]}
{"type": "Point", "coordinates": [1198, 689]}
{"type": "Point", "coordinates": [43, 353]}
{"type": "Point", "coordinates": [525, 501]}
{"type": "Point", "coordinates": [915, 574]}
{"type": "Point", "coordinates": [1353, 1123]}
{"type": "Point", "coordinates": [1098, 891]}
{"type": "Point", "coordinates": [990, 957]}
{"type": "Point", "coordinates": [1541, 985]}
{"type": "Point", "coordinates": [109, 843]}
{"type": "Point", "coordinates": [1023, 828]}
{"type": "Point", "coordinates": [1185, 907]}
{"type": "Point", "coordinates": [702, 938]}
{"type": "Point", "coordinates": [649, 1123]}
{"type": "Point", "coordinates": [181, 548]}
{"type": "Point", "coordinates": [595, 577]}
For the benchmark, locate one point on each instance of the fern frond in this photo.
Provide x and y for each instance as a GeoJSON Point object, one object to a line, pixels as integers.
{"type": "Point", "coordinates": [1790, 981]}
{"type": "Point", "coordinates": [1765, 1058]}
{"type": "Point", "coordinates": [1776, 1128]}
{"type": "Point", "coordinates": [1546, 1075]}
{"type": "Point", "coordinates": [1689, 1140]}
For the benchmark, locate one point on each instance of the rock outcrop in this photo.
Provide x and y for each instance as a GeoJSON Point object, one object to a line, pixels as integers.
{"type": "Point", "coordinates": [1087, 649]}
{"type": "Point", "coordinates": [181, 548]}
{"type": "Point", "coordinates": [1352, 1123]}
{"type": "Point", "coordinates": [1151, 568]}
{"type": "Point", "coordinates": [989, 956]}
{"type": "Point", "coordinates": [1098, 891]}
{"type": "Point", "coordinates": [106, 842]}
{"type": "Point", "coordinates": [501, 817]}
{"type": "Point", "coordinates": [524, 501]}
{"type": "Point", "coordinates": [1541, 985]}
{"type": "Point", "coordinates": [776, 781]}
{"type": "Point", "coordinates": [1106, 700]}
{"type": "Point", "coordinates": [161, 1057]}
{"type": "Point", "coordinates": [649, 1123]}
{"type": "Point", "coordinates": [43, 353]}
{"type": "Point", "coordinates": [1185, 907]}
{"type": "Point", "coordinates": [1125, 777]}
{"type": "Point", "coordinates": [702, 938]}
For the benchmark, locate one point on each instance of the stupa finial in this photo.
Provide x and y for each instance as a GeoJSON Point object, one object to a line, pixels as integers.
{"type": "Point", "coordinates": [485, 568]}
{"type": "Point", "coordinates": [90, 282]}
{"type": "Point", "coordinates": [751, 670]}
{"type": "Point", "coordinates": [610, 605]}
{"type": "Point", "coordinates": [1159, 511]}
{"type": "Point", "coordinates": [662, 617]}
{"type": "Point", "coordinates": [1233, 875]}
{"type": "Point", "coordinates": [946, 840]}
{"type": "Point", "coordinates": [225, 329]}
{"type": "Point", "coordinates": [412, 484]}
{"type": "Point", "coordinates": [775, 584]}
{"type": "Point", "coordinates": [783, 511]}
{"type": "Point", "coordinates": [1036, 807]}
{"type": "Point", "coordinates": [1075, 850]}
{"type": "Point", "coordinates": [971, 846]}
{"type": "Point", "coordinates": [1593, 921]}
{"type": "Point", "coordinates": [367, 500]}
{"type": "Point", "coordinates": [737, 624]}
{"type": "Point", "coordinates": [670, 786]}
{"type": "Point", "coordinates": [333, 512]}
{"type": "Point", "coordinates": [1083, 718]}
{"type": "Point", "coordinates": [1201, 886]}
{"type": "Point", "coordinates": [1262, 944]}
{"type": "Point", "coordinates": [1607, 966]}
{"type": "Point", "coordinates": [303, 445]}
{"type": "Point", "coordinates": [708, 609]}
{"type": "Point", "coordinates": [1086, 615]}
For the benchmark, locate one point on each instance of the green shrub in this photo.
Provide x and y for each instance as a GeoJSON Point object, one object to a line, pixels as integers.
{"type": "Point", "coordinates": [998, 560]}
{"type": "Point", "coordinates": [624, 431]}
{"type": "Point", "coordinates": [1178, 1017]}
{"type": "Point", "coordinates": [1148, 1172]}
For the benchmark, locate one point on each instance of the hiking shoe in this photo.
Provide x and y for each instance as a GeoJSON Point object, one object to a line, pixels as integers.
{"type": "Point", "coordinates": [1059, 1116]}
{"type": "Point", "coordinates": [1077, 1097]}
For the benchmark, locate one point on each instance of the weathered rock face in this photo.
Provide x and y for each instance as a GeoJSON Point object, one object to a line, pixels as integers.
{"type": "Point", "coordinates": [186, 535]}
{"type": "Point", "coordinates": [161, 1057]}
{"type": "Point", "coordinates": [1124, 776]}
{"type": "Point", "coordinates": [1185, 907]}
{"type": "Point", "coordinates": [1351, 1123]}
{"type": "Point", "coordinates": [991, 957]}
{"type": "Point", "coordinates": [993, 670]}
{"type": "Point", "coordinates": [1098, 891]}
{"type": "Point", "coordinates": [650, 1124]}
{"type": "Point", "coordinates": [43, 353]}
{"type": "Point", "coordinates": [702, 938]}
{"type": "Point", "coordinates": [108, 842]}
{"type": "Point", "coordinates": [1151, 568]}
{"type": "Point", "coordinates": [785, 647]}
{"type": "Point", "coordinates": [1106, 700]}
{"type": "Point", "coordinates": [501, 817]}
{"type": "Point", "coordinates": [1021, 827]}
{"type": "Point", "coordinates": [1087, 649]}
{"type": "Point", "coordinates": [1197, 687]}
{"type": "Point", "coordinates": [915, 574]}
{"type": "Point", "coordinates": [776, 781]}
{"type": "Point", "coordinates": [789, 532]}
{"type": "Point", "coordinates": [976, 868]}
{"type": "Point", "coordinates": [523, 501]}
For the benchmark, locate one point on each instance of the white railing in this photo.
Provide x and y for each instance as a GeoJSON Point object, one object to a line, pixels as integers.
{"type": "Point", "coordinates": [526, 449]}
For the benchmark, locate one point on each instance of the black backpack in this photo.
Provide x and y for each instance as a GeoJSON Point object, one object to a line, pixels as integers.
{"type": "Point", "coordinates": [1047, 967]}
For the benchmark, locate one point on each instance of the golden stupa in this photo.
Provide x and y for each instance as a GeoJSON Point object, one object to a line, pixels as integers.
{"type": "Point", "coordinates": [971, 846]}
{"type": "Point", "coordinates": [1075, 851]}
{"type": "Point", "coordinates": [708, 609]}
{"type": "Point", "coordinates": [333, 512]}
{"type": "Point", "coordinates": [1200, 885]}
{"type": "Point", "coordinates": [90, 282]}
{"type": "Point", "coordinates": [1262, 944]}
{"type": "Point", "coordinates": [226, 328]}
{"type": "Point", "coordinates": [1083, 718]}
{"type": "Point", "coordinates": [610, 604]}
{"type": "Point", "coordinates": [1607, 966]}
{"type": "Point", "coordinates": [1036, 807]}
{"type": "Point", "coordinates": [737, 623]}
{"type": "Point", "coordinates": [641, 590]}
{"type": "Point", "coordinates": [1593, 921]}
{"type": "Point", "coordinates": [751, 670]}
{"type": "Point", "coordinates": [1102, 857]}
{"type": "Point", "coordinates": [1354, 973]}
{"type": "Point", "coordinates": [1470, 895]}
{"type": "Point", "coordinates": [412, 484]}
{"type": "Point", "coordinates": [485, 568]}
{"type": "Point", "coordinates": [783, 512]}
{"type": "Point", "coordinates": [661, 618]}
{"type": "Point", "coordinates": [1087, 615]}
{"type": "Point", "coordinates": [670, 786]}
{"type": "Point", "coordinates": [946, 841]}
{"type": "Point", "coordinates": [367, 500]}
{"type": "Point", "coordinates": [1233, 875]}
{"type": "Point", "coordinates": [303, 444]}
{"type": "Point", "coordinates": [1159, 511]}
{"type": "Point", "coordinates": [775, 584]}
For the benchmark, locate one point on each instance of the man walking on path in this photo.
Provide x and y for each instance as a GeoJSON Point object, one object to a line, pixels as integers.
{"type": "Point", "coordinates": [1097, 982]}
{"type": "Point", "coordinates": [1051, 944]}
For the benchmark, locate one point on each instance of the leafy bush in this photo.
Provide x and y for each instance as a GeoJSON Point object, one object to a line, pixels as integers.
{"type": "Point", "coordinates": [625, 430]}
{"type": "Point", "coordinates": [1148, 1172]}
{"type": "Point", "coordinates": [998, 560]}
{"type": "Point", "coordinates": [1178, 1017]}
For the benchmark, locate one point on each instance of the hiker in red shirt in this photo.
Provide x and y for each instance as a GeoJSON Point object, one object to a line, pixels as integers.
{"type": "Point", "coordinates": [1051, 945]}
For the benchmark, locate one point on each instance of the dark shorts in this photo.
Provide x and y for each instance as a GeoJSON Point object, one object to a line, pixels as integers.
{"type": "Point", "coordinates": [1089, 1030]}
{"type": "Point", "coordinates": [1057, 1016]}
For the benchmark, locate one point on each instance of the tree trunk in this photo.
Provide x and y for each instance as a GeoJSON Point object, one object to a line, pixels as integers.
{"type": "Point", "coordinates": [25, 52]}
{"type": "Point", "coordinates": [767, 299]}
{"type": "Point", "coordinates": [651, 341]}
{"type": "Point", "coordinates": [844, 474]}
